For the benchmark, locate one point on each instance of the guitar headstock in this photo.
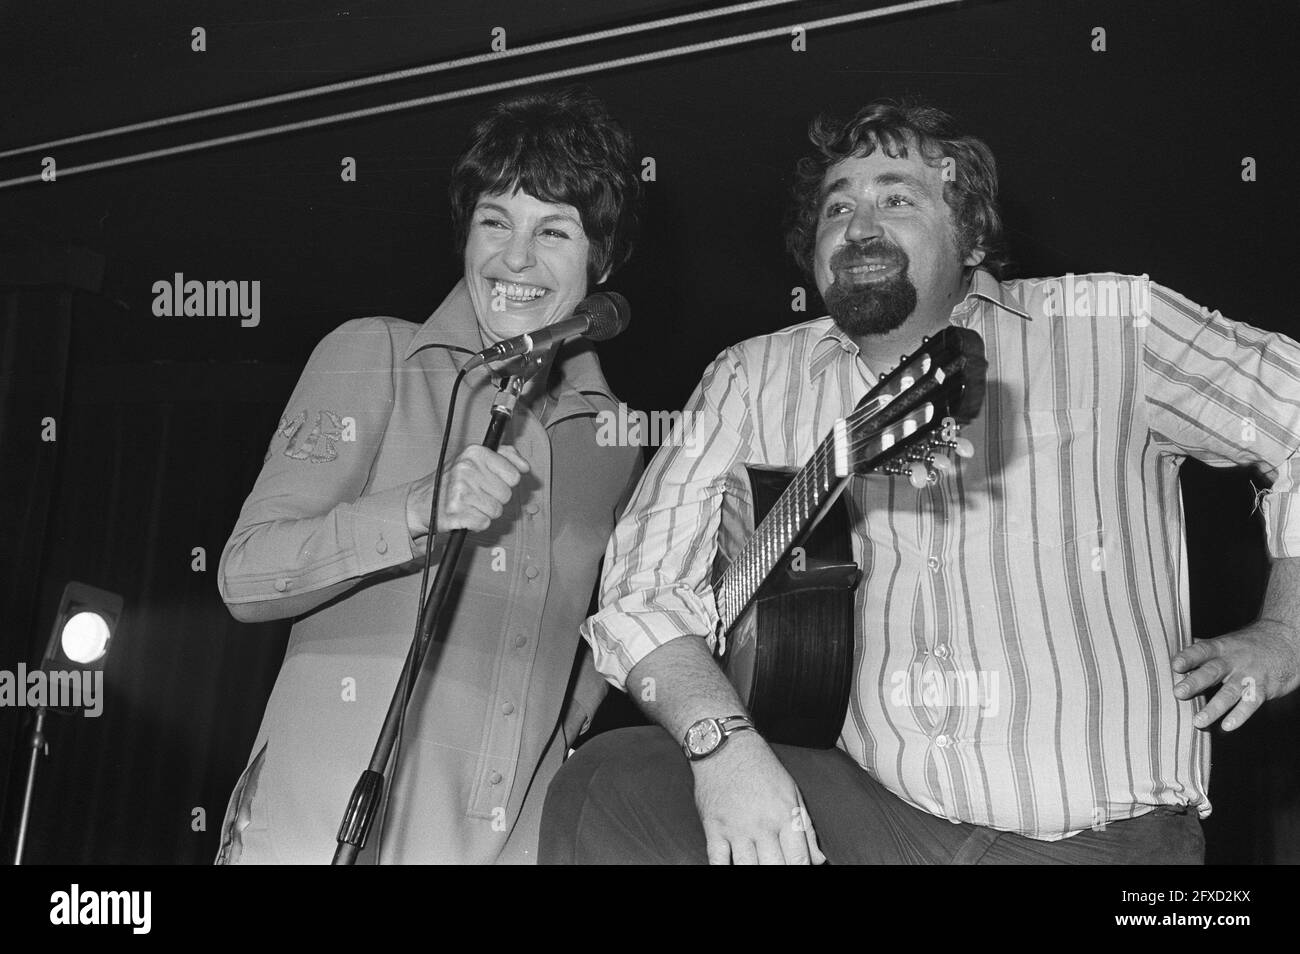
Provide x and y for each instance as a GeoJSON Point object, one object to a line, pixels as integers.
{"type": "Point", "coordinates": [937, 388]}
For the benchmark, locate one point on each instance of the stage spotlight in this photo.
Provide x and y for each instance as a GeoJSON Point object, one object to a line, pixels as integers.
{"type": "Point", "coordinates": [85, 637]}
{"type": "Point", "coordinates": [83, 628]}
{"type": "Point", "coordinates": [78, 645]}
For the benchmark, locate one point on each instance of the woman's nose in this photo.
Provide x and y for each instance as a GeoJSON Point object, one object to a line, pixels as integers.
{"type": "Point", "coordinates": [519, 252]}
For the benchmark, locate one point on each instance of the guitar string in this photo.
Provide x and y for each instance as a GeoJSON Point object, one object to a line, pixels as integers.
{"type": "Point", "coordinates": [750, 576]}
{"type": "Point", "coordinates": [779, 511]}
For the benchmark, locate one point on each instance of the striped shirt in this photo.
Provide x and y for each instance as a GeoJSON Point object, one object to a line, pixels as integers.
{"type": "Point", "coordinates": [1016, 619]}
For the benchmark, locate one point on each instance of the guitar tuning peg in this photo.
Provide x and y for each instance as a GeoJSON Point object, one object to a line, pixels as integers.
{"type": "Point", "coordinates": [964, 447]}
{"type": "Point", "coordinates": [919, 476]}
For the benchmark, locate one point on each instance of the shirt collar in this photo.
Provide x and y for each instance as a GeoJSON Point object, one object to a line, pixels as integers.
{"type": "Point", "coordinates": [453, 326]}
{"type": "Point", "coordinates": [983, 286]}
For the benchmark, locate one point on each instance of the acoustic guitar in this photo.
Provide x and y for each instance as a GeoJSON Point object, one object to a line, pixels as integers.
{"type": "Point", "coordinates": [784, 575]}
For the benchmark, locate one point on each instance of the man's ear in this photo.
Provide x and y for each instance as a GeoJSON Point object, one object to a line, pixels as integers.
{"type": "Point", "coordinates": [974, 257]}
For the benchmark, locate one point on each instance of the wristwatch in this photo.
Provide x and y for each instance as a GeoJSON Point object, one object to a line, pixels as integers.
{"type": "Point", "coordinates": [705, 737]}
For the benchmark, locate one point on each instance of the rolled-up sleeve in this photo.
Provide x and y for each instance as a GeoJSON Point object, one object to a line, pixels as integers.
{"type": "Point", "coordinates": [655, 586]}
{"type": "Point", "coordinates": [1228, 394]}
{"type": "Point", "coordinates": [308, 530]}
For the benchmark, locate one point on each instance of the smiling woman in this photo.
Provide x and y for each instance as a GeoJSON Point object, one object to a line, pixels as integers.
{"type": "Point", "coordinates": [540, 214]}
{"type": "Point", "coordinates": [525, 263]}
{"type": "Point", "coordinates": [542, 204]}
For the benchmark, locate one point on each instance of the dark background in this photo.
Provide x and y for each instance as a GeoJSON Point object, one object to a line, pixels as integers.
{"type": "Point", "coordinates": [1125, 160]}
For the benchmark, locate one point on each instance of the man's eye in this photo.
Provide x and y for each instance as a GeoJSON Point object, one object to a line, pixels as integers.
{"type": "Point", "coordinates": [836, 208]}
{"type": "Point", "coordinates": [897, 200]}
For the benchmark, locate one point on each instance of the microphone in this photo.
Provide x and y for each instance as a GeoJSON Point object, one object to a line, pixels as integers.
{"type": "Point", "coordinates": [598, 317]}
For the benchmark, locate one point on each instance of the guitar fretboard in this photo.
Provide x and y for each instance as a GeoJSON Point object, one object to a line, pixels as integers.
{"type": "Point", "coordinates": [813, 487]}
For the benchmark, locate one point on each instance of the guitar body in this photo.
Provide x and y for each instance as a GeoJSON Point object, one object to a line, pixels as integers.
{"type": "Point", "coordinates": [790, 653]}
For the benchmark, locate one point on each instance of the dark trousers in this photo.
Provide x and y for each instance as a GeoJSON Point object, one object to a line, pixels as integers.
{"type": "Point", "coordinates": [627, 797]}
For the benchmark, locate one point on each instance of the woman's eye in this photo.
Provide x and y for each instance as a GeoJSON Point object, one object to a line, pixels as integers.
{"type": "Point", "coordinates": [896, 200]}
{"type": "Point", "coordinates": [492, 223]}
{"type": "Point", "coordinates": [555, 233]}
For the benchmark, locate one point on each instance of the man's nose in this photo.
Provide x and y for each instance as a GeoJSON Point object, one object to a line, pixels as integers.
{"type": "Point", "coordinates": [519, 251]}
{"type": "Point", "coordinates": [864, 225]}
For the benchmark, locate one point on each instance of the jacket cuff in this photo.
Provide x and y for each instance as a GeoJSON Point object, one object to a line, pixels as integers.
{"type": "Point", "coordinates": [380, 536]}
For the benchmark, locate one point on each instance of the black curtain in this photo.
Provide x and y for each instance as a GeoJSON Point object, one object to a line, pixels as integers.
{"type": "Point", "coordinates": [150, 465]}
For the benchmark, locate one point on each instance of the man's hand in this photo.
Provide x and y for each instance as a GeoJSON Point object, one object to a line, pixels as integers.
{"type": "Point", "coordinates": [475, 488]}
{"type": "Point", "coordinates": [1251, 665]}
{"type": "Point", "coordinates": [751, 808]}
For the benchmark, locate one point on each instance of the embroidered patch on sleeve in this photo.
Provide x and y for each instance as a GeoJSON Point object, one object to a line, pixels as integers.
{"type": "Point", "coordinates": [316, 445]}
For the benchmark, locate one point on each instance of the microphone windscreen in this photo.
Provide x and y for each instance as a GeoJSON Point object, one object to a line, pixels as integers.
{"type": "Point", "coordinates": [608, 315]}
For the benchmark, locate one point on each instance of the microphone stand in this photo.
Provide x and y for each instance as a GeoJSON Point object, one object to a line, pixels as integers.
{"type": "Point", "coordinates": [366, 795]}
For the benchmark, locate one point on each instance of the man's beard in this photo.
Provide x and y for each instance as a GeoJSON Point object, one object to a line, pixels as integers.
{"type": "Point", "coordinates": [870, 308]}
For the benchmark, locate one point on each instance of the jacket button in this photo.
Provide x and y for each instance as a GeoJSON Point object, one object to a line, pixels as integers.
{"type": "Point", "coordinates": [531, 509]}
{"type": "Point", "coordinates": [495, 778]}
{"type": "Point", "coordinates": [531, 573]}
{"type": "Point", "coordinates": [508, 708]}
{"type": "Point", "coordinates": [521, 641]}
{"type": "Point", "coordinates": [281, 585]}
{"type": "Point", "coordinates": [382, 545]}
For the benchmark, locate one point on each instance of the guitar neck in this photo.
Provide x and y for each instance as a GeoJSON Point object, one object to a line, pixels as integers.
{"type": "Point", "coordinates": [941, 381]}
{"type": "Point", "coordinates": [811, 492]}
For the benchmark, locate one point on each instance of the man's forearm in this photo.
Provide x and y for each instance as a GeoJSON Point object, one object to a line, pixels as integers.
{"type": "Point", "coordinates": [1282, 598]}
{"type": "Point", "coordinates": [679, 683]}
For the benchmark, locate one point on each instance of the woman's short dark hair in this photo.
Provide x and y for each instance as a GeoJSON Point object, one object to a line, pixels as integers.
{"type": "Point", "coordinates": [559, 146]}
{"type": "Point", "coordinates": [971, 192]}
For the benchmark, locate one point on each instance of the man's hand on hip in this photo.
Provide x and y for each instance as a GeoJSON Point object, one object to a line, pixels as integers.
{"type": "Point", "coordinates": [1259, 662]}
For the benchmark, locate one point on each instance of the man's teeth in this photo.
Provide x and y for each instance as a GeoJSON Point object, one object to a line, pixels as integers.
{"type": "Point", "coordinates": [871, 268]}
{"type": "Point", "coordinates": [512, 292]}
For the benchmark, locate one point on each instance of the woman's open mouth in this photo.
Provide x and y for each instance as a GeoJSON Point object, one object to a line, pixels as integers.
{"type": "Point", "coordinates": [516, 293]}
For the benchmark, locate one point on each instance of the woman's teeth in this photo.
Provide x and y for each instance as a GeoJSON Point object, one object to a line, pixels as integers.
{"type": "Point", "coordinates": [512, 292]}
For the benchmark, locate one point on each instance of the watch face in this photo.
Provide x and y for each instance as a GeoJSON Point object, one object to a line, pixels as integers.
{"type": "Point", "coordinates": [703, 737]}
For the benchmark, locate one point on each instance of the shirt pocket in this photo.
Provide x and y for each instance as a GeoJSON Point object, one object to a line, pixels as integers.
{"type": "Point", "coordinates": [1046, 473]}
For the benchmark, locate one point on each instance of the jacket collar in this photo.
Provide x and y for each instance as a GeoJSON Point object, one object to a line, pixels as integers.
{"type": "Point", "coordinates": [454, 328]}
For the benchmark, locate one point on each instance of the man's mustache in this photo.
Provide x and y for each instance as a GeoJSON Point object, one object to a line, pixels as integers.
{"type": "Point", "coordinates": [851, 256]}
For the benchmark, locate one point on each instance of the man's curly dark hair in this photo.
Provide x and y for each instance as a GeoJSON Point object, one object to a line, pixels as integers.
{"type": "Point", "coordinates": [895, 127]}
